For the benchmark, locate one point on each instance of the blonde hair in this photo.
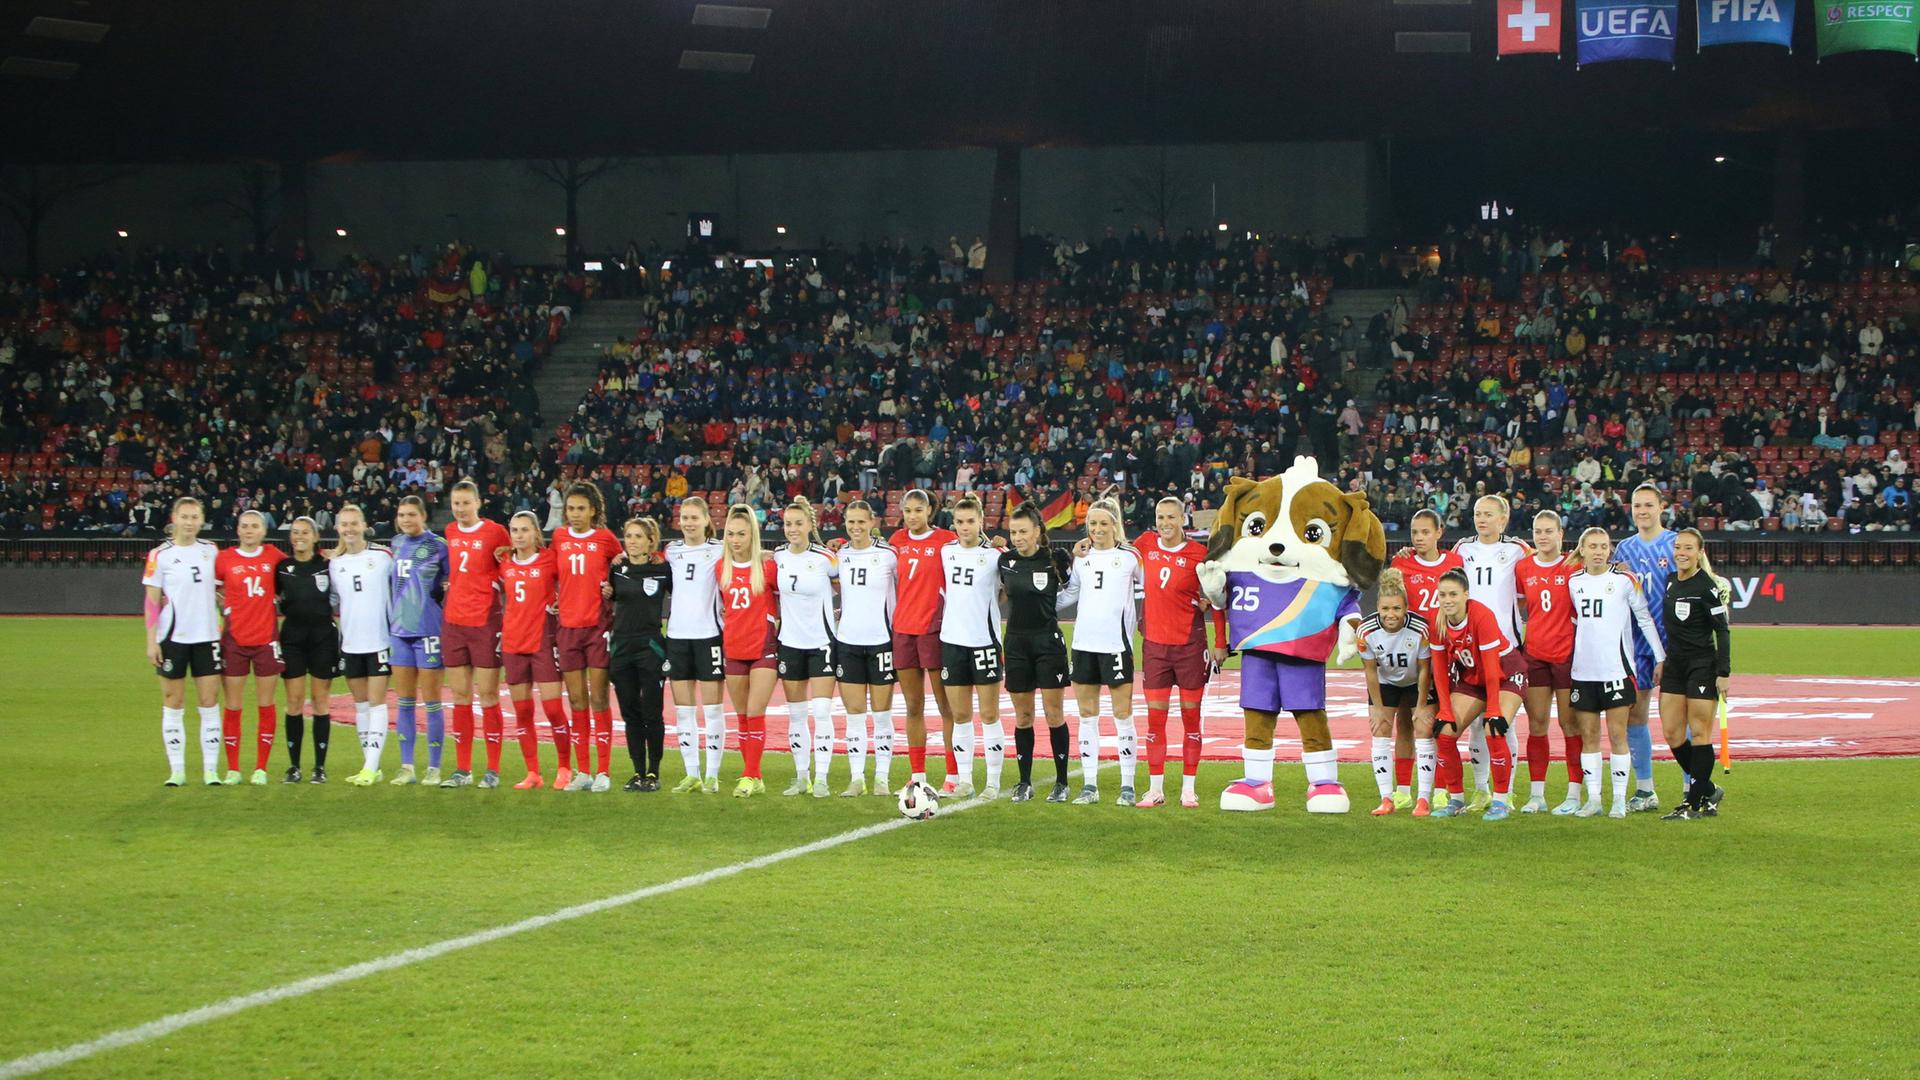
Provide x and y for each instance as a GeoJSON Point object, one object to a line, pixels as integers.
{"type": "Point", "coordinates": [1392, 583]}
{"type": "Point", "coordinates": [800, 505]}
{"type": "Point", "coordinates": [706, 529]}
{"type": "Point", "coordinates": [1706, 563]}
{"type": "Point", "coordinates": [1500, 501]}
{"type": "Point", "coordinates": [647, 525]}
{"type": "Point", "coordinates": [756, 557]}
{"type": "Point", "coordinates": [1589, 531]}
{"type": "Point", "coordinates": [1109, 506]}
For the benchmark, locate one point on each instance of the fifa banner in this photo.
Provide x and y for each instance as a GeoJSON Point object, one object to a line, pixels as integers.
{"type": "Point", "coordinates": [1746, 22]}
{"type": "Point", "coordinates": [1625, 30]}
{"type": "Point", "coordinates": [1887, 27]}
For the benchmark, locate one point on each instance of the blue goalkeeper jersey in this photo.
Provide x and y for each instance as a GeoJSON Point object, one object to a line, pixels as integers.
{"type": "Point", "coordinates": [419, 584]}
{"type": "Point", "coordinates": [1651, 562]}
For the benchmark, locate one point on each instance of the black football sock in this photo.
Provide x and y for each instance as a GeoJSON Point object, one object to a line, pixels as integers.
{"type": "Point", "coordinates": [1704, 760]}
{"type": "Point", "coordinates": [656, 744]}
{"type": "Point", "coordinates": [1683, 755]}
{"type": "Point", "coordinates": [1058, 734]}
{"type": "Point", "coordinates": [296, 734]}
{"type": "Point", "coordinates": [322, 727]}
{"type": "Point", "coordinates": [1023, 743]}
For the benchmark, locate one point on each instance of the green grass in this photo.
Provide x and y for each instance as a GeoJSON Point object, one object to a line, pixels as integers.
{"type": "Point", "coordinates": [1033, 940]}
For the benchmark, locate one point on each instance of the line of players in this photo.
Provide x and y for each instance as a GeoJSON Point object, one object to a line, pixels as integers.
{"type": "Point", "coordinates": [1462, 640]}
{"type": "Point", "coordinates": [711, 616]}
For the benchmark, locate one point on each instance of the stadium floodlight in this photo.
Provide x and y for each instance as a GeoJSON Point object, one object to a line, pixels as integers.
{"type": "Point", "coordinates": [1222, 226]}
{"type": "Point", "coordinates": [781, 229]}
{"type": "Point", "coordinates": [121, 233]}
{"type": "Point", "coordinates": [1719, 159]}
{"type": "Point", "coordinates": [559, 230]}
{"type": "Point", "coordinates": [339, 232]}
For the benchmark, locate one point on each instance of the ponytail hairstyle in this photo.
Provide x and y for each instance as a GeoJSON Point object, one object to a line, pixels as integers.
{"type": "Point", "coordinates": [414, 501]}
{"type": "Point", "coordinates": [646, 525]}
{"type": "Point", "coordinates": [862, 504]}
{"type": "Point", "coordinates": [1458, 576]}
{"type": "Point", "coordinates": [184, 500]}
{"type": "Point", "coordinates": [1659, 497]}
{"type": "Point", "coordinates": [539, 534]}
{"type": "Point", "coordinates": [590, 491]}
{"type": "Point", "coordinates": [800, 505]}
{"type": "Point", "coordinates": [1392, 583]}
{"type": "Point", "coordinates": [1027, 511]}
{"type": "Point", "coordinates": [465, 483]}
{"type": "Point", "coordinates": [705, 509]}
{"type": "Point", "coordinates": [756, 555]}
{"type": "Point", "coordinates": [1706, 563]}
{"type": "Point", "coordinates": [971, 502]}
{"type": "Point", "coordinates": [1110, 506]}
{"type": "Point", "coordinates": [1589, 531]}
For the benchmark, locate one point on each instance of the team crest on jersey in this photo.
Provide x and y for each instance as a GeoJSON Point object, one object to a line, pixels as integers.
{"type": "Point", "coordinates": [1682, 609]}
{"type": "Point", "coordinates": [1040, 579]}
{"type": "Point", "coordinates": [321, 582]}
{"type": "Point", "coordinates": [651, 586]}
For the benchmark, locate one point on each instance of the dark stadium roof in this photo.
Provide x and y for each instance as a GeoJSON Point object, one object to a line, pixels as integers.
{"type": "Point", "coordinates": [510, 78]}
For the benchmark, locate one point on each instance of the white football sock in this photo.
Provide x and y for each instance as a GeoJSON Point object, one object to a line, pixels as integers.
{"type": "Point", "coordinates": [173, 734]}
{"type": "Point", "coordinates": [1538, 788]}
{"type": "Point", "coordinates": [1477, 746]}
{"type": "Point", "coordinates": [1590, 774]}
{"type": "Point", "coordinates": [1090, 751]}
{"type": "Point", "coordinates": [857, 745]}
{"type": "Point", "coordinates": [799, 733]}
{"type": "Point", "coordinates": [1186, 784]}
{"type": "Point", "coordinates": [361, 709]}
{"type": "Point", "coordinates": [1426, 759]}
{"type": "Point", "coordinates": [686, 732]}
{"type": "Point", "coordinates": [994, 748]}
{"type": "Point", "coordinates": [716, 745]}
{"type": "Point", "coordinates": [1156, 783]}
{"type": "Point", "coordinates": [1622, 778]}
{"type": "Point", "coordinates": [1323, 766]}
{"type": "Point", "coordinates": [212, 746]}
{"type": "Point", "coordinates": [1128, 739]}
{"type": "Point", "coordinates": [1383, 765]}
{"type": "Point", "coordinates": [883, 731]}
{"type": "Point", "coordinates": [1258, 763]}
{"type": "Point", "coordinates": [376, 733]}
{"type": "Point", "coordinates": [822, 736]}
{"type": "Point", "coordinates": [963, 752]}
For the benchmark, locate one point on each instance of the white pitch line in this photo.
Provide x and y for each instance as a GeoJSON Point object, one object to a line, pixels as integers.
{"type": "Point", "coordinates": [220, 1010]}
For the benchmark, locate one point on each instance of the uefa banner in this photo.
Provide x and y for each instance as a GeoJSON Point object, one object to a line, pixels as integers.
{"type": "Point", "coordinates": [1625, 30]}
{"type": "Point", "coordinates": [1745, 22]}
{"type": "Point", "coordinates": [1861, 27]}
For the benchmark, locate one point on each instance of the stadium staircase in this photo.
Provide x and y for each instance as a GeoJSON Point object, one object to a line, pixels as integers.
{"type": "Point", "coordinates": [1363, 305]}
{"type": "Point", "coordinates": [574, 364]}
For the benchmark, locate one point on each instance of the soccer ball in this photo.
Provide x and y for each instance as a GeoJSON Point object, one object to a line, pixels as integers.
{"type": "Point", "coordinates": [918, 802]}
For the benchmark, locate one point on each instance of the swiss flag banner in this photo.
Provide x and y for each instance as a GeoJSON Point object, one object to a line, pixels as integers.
{"type": "Point", "coordinates": [1527, 26]}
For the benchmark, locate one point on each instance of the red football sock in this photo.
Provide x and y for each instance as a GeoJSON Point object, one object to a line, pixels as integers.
{"type": "Point", "coordinates": [463, 737]}
{"type": "Point", "coordinates": [496, 728]}
{"type": "Point", "coordinates": [953, 762]}
{"type": "Point", "coordinates": [230, 735]}
{"type": "Point", "coordinates": [562, 742]}
{"type": "Point", "coordinates": [602, 740]}
{"type": "Point", "coordinates": [580, 726]}
{"type": "Point", "coordinates": [269, 724]}
{"type": "Point", "coordinates": [1403, 771]}
{"type": "Point", "coordinates": [1500, 758]}
{"type": "Point", "coordinates": [1190, 719]}
{"type": "Point", "coordinates": [529, 733]}
{"type": "Point", "coordinates": [1156, 741]}
{"type": "Point", "coordinates": [1450, 779]}
{"type": "Point", "coordinates": [917, 757]}
{"type": "Point", "coordinates": [1575, 744]}
{"type": "Point", "coordinates": [1539, 756]}
{"type": "Point", "coordinates": [753, 742]}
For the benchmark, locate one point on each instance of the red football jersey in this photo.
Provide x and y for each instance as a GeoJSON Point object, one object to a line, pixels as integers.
{"type": "Point", "coordinates": [1549, 607]}
{"type": "Point", "coordinates": [749, 622]}
{"type": "Point", "coordinates": [1469, 652]}
{"type": "Point", "coordinates": [1173, 589]}
{"type": "Point", "coordinates": [582, 560]}
{"type": "Point", "coordinates": [530, 589]}
{"type": "Point", "coordinates": [1423, 582]}
{"type": "Point", "coordinates": [246, 582]}
{"type": "Point", "coordinates": [473, 574]}
{"type": "Point", "coordinates": [918, 605]}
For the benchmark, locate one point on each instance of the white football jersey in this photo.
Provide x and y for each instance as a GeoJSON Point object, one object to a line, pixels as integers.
{"type": "Point", "coordinates": [362, 585]}
{"type": "Point", "coordinates": [1395, 653]}
{"type": "Point", "coordinates": [806, 596]}
{"type": "Point", "coordinates": [972, 589]}
{"type": "Point", "coordinates": [694, 612]}
{"type": "Point", "coordinates": [1605, 608]}
{"type": "Point", "coordinates": [1102, 583]}
{"type": "Point", "coordinates": [867, 594]}
{"type": "Point", "coordinates": [184, 576]}
{"type": "Point", "coordinates": [1491, 580]}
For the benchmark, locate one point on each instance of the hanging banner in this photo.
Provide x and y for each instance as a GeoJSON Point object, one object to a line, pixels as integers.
{"type": "Point", "coordinates": [1625, 30]}
{"type": "Point", "coordinates": [1888, 27]}
{"type": "Point", "coordinates": [1527, 26]}
{"type": "Point", "coordinates": [1745, 22]}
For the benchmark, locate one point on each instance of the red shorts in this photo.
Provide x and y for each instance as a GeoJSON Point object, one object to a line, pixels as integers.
{"type": "Point", "coordinates": [742, 667]}
{"type": "Point", "coordinates": [1166, 666]}
{"type": "Point", "coordinates": [581, 647]}
{"type": "Point", "coordinates": [916, 652]}
{"type": "Point", "coordinates": [1552, 674]}
{"type": "Point", "coordinates": [238, 660]}
{"type": "Point", "coordinates": [769, 654]}
{"type": "Point", "coordinates": [533, 667]}
{"type": "Point", "coordinates": [1513, 677]}
{"type": "Point", "coordinates": [470, 646]}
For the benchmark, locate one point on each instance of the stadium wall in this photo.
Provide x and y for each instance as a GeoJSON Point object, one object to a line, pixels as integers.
{"type": "Point", "coordinates": [1813, 597]}
{"type": "Point", "coordinates": [923, 195]}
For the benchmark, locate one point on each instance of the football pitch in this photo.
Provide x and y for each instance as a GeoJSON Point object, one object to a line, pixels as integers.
{"type": "Point", "coordinates": [680, 935]}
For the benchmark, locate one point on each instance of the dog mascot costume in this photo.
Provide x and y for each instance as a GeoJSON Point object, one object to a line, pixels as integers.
{"type": "Point", "coordinates": [1288, 558]}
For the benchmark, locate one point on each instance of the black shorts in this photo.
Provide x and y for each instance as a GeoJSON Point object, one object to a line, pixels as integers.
{"type": "Point", "coordinates": [1691, 676]}
{"type": "Point", "coordinates": [1102, 669]}
{"type": "Point", "coordinates": [309, 651]}
{"type": "Point", "coordinates": [864, 665]}
{"type": "Point", "coordinates": [178, 660]}
{"type": "Point", "coordinates": [1594, 697]}
{"type": "Point", "coordinates": [1399, 697]}
{"type": "Point", "coordinates": [964, 665]}
{"type": "Point", "coordinates": [802, 664]}
{"type": "Point", "coordinates": [1036, 660]}
{"type": "Point", "coordinates": [695, 659]}
{"type": "Point", "coordinates": [366, 665]}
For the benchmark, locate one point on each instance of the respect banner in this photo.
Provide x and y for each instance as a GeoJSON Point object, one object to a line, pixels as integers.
{"type": "Point", "coordinates": [1884, 26]}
